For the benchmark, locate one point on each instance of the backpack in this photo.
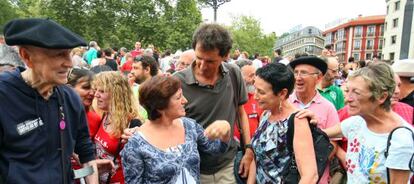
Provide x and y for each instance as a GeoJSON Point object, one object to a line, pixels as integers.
{"type": "Point", "coordinates": [411, 163]}
{"type": "Point", "coordinates": [321, 145]}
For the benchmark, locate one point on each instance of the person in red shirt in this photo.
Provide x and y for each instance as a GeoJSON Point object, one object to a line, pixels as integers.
{"type": "Point", "coordinates": [138, 50]}
{"type": "Point", "coordinates": [80, 80]}
{"type": "Point", "coordinates": [127, 66]}
{"type": "Point", "coordinates": [251, 107]}
{"type": "Point", "coordinates": [115, 97]}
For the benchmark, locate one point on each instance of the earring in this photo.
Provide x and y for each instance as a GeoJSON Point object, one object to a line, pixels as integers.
{"type": "Point", "coordinates": [280, 106]}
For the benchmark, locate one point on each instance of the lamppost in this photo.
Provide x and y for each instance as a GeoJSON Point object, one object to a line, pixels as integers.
{"type": "Point", "coordinates": [215, 4]}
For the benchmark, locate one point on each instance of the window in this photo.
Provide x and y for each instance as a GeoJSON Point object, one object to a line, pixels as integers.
{"type": "Point", "coordinates": [385, 25]}
{"type": "Point", "coordinates": [388, 7]}
{"type": "Point", "coordinates": [309, 31]}
{"type": "Point", "coordinates": [397, 6]}
{"type": "Point", "coordinates": [368, 56]}
{"type": "Point", "coordinates": [370, 44]}
{"type": "Point", "coordinates": [394, 39]}
{"type": "Point", "coordinates": [392, 55]}
{"type": "Point", "coordinates": [358, 31]}
{"type": "Point", "coordinates": [371, 30]}
{"type": "Point", "coordinates": [356, 56]}
{"type": "Point", "coordinates": [341, 34]}
{"type": "Point", "coordinates": [357, 44]}
{"type": "Point", "coordinates": [382, 30]}
{"type": "Point", "coordinates": [381, 43]}
{"type": "Point", "coordinates": [395, 23]}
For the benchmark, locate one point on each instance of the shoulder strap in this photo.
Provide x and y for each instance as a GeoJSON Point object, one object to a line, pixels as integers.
{"type": "Point", "coordinates": [60, 97]}
{"type": "Point", "coordinates": [291, 132]}
{"type": "Point", "coordinates": [389, 145]}
{"type": "Point", "coordinates": [234, 83]}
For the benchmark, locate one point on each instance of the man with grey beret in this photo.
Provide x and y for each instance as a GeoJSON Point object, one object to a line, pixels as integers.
{"type": "Point", "coordinates": [42, 121]}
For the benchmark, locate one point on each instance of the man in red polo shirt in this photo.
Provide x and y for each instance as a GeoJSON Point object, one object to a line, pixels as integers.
{"type": "Point", "coordinates": [252, 109]}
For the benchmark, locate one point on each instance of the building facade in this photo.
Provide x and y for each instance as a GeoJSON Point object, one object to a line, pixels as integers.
{"type": "Point", "coordinates": [360, 38]}
{"type": "Point", "coordinates": [399, 31]}
{"type": "Point", "coordinates": [307, 40]}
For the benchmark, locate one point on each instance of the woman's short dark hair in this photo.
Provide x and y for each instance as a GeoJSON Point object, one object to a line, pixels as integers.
{"type": "Point", "coordinates": [279, 76]}
{"type": "Point", "coordinates": [78, 73]}
{"type": "Point", "coordinates": [155, 94]}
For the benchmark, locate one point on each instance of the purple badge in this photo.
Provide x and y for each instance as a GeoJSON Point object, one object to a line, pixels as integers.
{"type": "Point", "coordinates": [62, 125]}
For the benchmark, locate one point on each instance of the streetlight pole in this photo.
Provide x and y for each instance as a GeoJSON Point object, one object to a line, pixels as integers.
{"type": "Point", "coordinates": [215, 4]}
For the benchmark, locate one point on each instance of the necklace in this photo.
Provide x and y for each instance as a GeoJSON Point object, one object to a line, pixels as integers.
{"type": "Point", "coordinates": [106, 123]}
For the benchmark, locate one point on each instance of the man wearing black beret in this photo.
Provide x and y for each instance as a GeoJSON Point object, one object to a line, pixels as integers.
{"type": "Point", "coordinates": [42, 121]}
{"type": "Point", "coordinates": [309, 71]}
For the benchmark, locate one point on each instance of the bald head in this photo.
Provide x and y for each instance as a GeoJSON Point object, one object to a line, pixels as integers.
{"type": "Point", "coordinates": [185, 60]}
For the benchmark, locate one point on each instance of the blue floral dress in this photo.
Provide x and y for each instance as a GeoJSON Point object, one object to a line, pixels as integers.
{"type": "Point", "coordinates": [269, 145]}
{"type": "Point", "coordinates": [144, 163]}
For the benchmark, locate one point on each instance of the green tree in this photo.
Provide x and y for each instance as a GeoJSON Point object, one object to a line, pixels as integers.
{"type": "Point", "coordinates": [7, 12]}
{"type": "Point", "coordinates": [249, 36]}
{"type": "Point", "coordinates": [163, 23]}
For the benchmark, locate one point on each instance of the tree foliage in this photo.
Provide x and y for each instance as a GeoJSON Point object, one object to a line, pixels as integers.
{"type": "Point", "coordinates": [249, 36]}
{"type": "Point", "coordinates": [116, 23]}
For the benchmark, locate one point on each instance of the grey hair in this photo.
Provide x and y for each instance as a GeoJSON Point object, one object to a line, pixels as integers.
{"type": "Point", "coordinates": [10, 56]}
{"type": "Point", "coordinates": [380, 79]}
{"type": "Point", "coordinates": [93, 44]}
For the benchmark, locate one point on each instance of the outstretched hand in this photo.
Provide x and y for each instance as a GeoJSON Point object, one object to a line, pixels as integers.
{"type": "Point", "coordinates": [219, 129]}
{"type": "Point", "coordinates": [305, 113]}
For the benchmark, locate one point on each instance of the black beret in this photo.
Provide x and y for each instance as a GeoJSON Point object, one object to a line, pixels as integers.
{"type": "Point", "coordinates": [43, 33]}
{"type": "Point", "coordinates": [310, 60]}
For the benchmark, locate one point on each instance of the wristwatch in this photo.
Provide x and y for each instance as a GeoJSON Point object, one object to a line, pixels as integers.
{"type": "Point", "coordinates": [248, 146]}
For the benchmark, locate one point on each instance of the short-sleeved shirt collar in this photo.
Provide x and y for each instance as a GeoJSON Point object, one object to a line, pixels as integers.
{"type": "Point", "coordinates": [189, 77]}
{"type": "Point", "coordinates": [316, 99]}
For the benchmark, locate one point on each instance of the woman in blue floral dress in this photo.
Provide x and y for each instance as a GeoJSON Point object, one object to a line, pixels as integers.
{"type": "Point", "coordinates": [274, 83]}
{"type": "Point", "coordinates": [165, 149]}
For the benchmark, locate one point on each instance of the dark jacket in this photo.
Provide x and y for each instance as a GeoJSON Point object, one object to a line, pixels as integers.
{"type": "Point", "coordinates": [30, 134]}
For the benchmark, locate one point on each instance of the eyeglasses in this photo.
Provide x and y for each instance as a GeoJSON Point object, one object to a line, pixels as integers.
{"type": "Point", "coordinates": [304, 74]}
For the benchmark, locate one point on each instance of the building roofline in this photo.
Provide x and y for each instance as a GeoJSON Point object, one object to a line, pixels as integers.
{"type": "Point", "coordinates": [359, 21]}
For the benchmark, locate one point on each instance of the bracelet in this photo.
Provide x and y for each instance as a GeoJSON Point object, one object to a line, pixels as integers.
{"type": "Point", "coordinates": [248, 146]}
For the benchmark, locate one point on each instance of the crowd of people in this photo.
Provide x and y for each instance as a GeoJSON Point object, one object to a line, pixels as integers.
{"type": "Point", "coordinates": [210, 114]}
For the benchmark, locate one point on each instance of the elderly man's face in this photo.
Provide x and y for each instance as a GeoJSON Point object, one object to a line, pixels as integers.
{"type": "Point", "coordinates": [306, 79]}
{"type": "Point", "coordinates": [50, 66]}
{"type": "Point", "coordinates": [248, 73]}
{"type": "Point", "coordinates": [333, 71]}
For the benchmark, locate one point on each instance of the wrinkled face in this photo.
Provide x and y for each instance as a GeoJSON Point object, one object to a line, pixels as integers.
{"type": "Point", "coordinates": [357, 95]}
{"type": "Point", "coordinates": [264, 95]}
{"type": "Point", "coordinates": [51, 66]}
{"type": "Point", "coordinates": [396, 96]}
{"type": "Point", "coordinates": [306, 78]}
{"type": "Point", "coordinates": [333, 71]}
{"type": "Point", "coordinates": [85, 91]}
{"type": "Point", "coordinates": [103, 99]}
{"type": "Point", "coordinates": [139, 72]}
{"type": "Point", "coordinates": [207, 62]}
{"type": "Point", "coordinates": [176, 104]}
{"type": "Point", "coordinates": [248, 73]}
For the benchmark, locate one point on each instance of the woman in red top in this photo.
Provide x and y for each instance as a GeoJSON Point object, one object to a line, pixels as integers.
{"type": "Point", "coordinates": [115, 97]}
{"type": "Point", "coordinates": [80, 80]}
